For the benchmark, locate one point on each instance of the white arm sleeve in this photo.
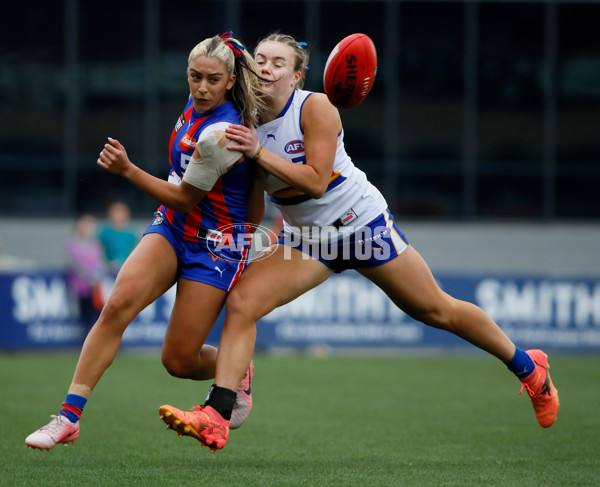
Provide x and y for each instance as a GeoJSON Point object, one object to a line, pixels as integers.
{"type": "Point", "coordinates": [215, 158]}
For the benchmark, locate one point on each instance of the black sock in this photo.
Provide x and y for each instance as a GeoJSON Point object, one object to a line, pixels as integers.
{"type": "Point", "coordinates": [221, 400]}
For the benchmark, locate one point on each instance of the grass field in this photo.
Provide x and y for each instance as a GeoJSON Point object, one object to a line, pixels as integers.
{"type": "Point", "coordinates": [410, 420]}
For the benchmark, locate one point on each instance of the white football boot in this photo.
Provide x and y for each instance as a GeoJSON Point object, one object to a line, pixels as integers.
{"type": "Point", "coordinates": [59, 430]}
{"type": "Point", "coordinates": [243, 400]}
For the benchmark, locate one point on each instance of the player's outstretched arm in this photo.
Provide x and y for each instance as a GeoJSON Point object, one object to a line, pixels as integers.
{"type": "Point", "coordinates": [180, 198]}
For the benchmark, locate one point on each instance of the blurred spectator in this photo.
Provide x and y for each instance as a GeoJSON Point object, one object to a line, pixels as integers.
{"type": "Point", "coordinates": [85, 268]}
{"type": "Point", "coordinates": [118, 237]}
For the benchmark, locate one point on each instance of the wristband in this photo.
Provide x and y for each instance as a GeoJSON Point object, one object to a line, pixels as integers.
{"type": "Point", "coordinates": [259, 152]}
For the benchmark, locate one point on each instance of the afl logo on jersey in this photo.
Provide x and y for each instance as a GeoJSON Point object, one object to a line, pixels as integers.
{"type": "Point", "coordinates": [294, 147]}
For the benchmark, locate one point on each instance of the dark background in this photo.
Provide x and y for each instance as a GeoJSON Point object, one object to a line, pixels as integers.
{"type": "Point", "coordinates": [481, 110]}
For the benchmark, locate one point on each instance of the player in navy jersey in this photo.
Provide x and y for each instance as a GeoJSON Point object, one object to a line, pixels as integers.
{"type": "Point", "coordinates": [212, 194]}
{"type": "Point", "coordinates": [334, 219]}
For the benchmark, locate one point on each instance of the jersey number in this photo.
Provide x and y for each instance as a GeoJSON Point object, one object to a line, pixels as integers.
{"type": "Point", "coordinates": [185, 160]}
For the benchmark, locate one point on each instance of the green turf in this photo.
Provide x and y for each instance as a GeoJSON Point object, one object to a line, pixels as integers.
{"type": "Point", "coordinates": [431, 420]}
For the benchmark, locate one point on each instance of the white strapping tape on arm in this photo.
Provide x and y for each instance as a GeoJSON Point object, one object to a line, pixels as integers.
{"type": "Point", "coordinates": [215, 158]}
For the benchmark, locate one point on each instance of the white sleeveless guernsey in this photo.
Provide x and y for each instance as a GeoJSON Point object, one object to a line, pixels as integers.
{"type": "Point", "coordinates": [350, 200]}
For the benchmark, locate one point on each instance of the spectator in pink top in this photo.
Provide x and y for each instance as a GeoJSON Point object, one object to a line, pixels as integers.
{"type": "Point", "coordinates": [85, 268]}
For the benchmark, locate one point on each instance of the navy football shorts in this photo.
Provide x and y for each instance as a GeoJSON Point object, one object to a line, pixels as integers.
{"type": "Point", "coordinates": [372, 245]}
{"type": "Point", "coordinates": [202, 261]}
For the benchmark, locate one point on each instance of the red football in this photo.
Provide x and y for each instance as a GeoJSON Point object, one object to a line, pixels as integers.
{"type": "Point", "coordinates": [350, 71]}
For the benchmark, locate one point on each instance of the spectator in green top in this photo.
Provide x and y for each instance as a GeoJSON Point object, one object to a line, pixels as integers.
{"type": "Point", "coordinates": [118, 237]}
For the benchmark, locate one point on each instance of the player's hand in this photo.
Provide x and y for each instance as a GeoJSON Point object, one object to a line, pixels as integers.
{"type": "Point", "coordinates": [114, 158]}
{"type": "Point", "coordinates": [245, 137]}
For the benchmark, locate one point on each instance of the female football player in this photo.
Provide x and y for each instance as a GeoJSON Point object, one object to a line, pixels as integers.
{"type": "Point", "coordinates": [211, 194]}
{"type": "Point", "coordinates": [332, 213]}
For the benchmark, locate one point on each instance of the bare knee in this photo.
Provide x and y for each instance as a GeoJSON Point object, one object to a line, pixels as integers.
{"type": "Point", "coordinates": [188, 365]}
{"type": "Point", "coordinates": [175, 366]}
{"type": "Point", "coordinates": [241, 308]}
{"type": "Point", "coordinates": [119, 304]}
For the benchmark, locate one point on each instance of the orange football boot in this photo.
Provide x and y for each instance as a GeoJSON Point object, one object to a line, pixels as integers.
{"type": "Point", "coordinates": [203, 423]}
{"type": "Point", "coordinates": [542, 392]}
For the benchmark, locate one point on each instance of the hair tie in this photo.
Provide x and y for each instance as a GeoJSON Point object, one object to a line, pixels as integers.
{"type": "Point", "coordinates": [231, 44]}
{"type": "Point", "coordinates": [303, 44]}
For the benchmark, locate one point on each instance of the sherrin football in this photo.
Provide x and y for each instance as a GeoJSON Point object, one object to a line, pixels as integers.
{"type": "Point", "coordinates": [350, 71]}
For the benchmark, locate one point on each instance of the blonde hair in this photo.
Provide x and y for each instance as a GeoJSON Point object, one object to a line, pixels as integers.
{"type": "Point", "coordinates": [246, 94]}
{"type": "Point", "coordinates": [300, 53]}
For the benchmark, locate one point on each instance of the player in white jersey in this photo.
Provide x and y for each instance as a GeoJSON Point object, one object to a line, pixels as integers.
{"type": "Point", "coordinates": [329, 205]}
{"type": "Point", "coordinates": [348, 188]}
